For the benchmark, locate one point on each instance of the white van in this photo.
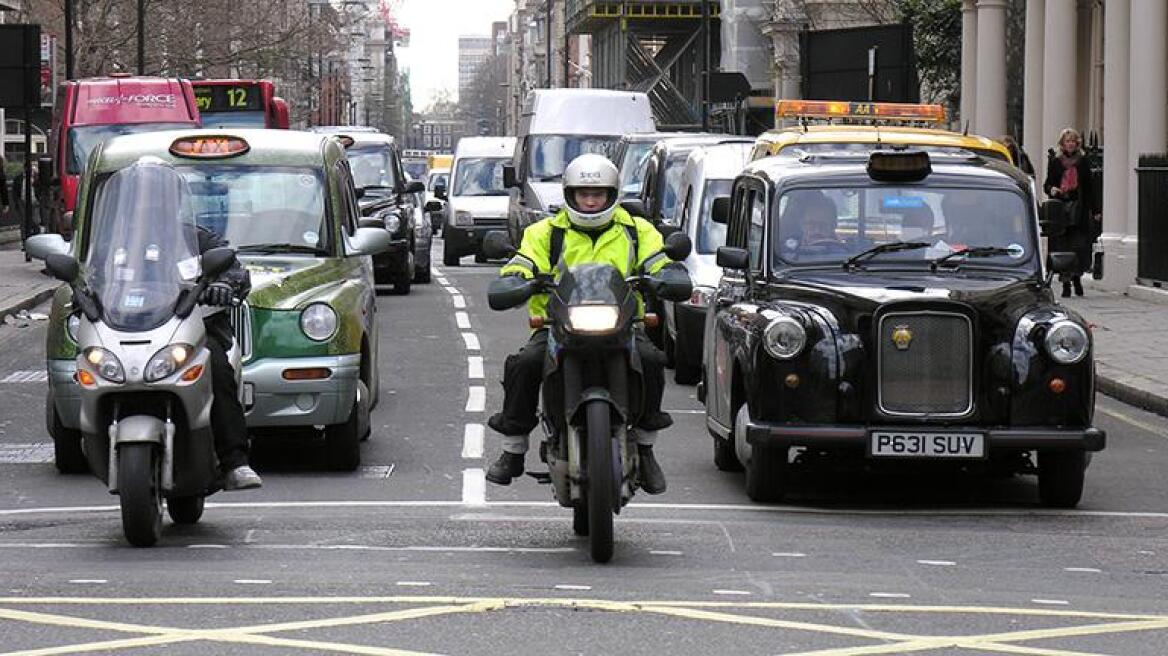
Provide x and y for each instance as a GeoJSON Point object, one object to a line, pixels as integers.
{"type": "Point", "coordinates": [709, 173]}
{"type": "Point", "coordinates": [476, 200]}
{"type": "Point", "coordinates": [555, 127]}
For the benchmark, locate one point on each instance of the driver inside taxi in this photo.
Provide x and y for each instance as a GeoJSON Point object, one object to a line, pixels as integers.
{"type": "Point", "coordinates": [819, 222]}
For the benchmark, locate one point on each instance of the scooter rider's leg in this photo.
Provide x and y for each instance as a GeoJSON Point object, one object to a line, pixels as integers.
{"type": "Point", "coordinates": [649, 474]}
{"type": "Point", "coordinates": [228, 424]}
{"type": "Point", "coordinates": [522, 375]}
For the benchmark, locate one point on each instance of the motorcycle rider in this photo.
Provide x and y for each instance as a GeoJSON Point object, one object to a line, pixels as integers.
{"type": "Point", "coordinates": [591, 228]}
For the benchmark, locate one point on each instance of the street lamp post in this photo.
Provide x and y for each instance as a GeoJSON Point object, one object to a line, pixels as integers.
{"type": "Point", "coordinates": [141, 37]}
{"type": "Point", "coordinates": [548, 6]}
{"type": "Point", "coordinates": [68, 39]}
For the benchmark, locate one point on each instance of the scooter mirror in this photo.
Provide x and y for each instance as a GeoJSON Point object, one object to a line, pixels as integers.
{"type": "Point", "coordinates": [63, 267]}
{"type": "Point", "coordinates": [678, 246]}
{"type": "Point", "coordinates": [496, 245]}
{"type": "Point", "coordinates": [216, 261]}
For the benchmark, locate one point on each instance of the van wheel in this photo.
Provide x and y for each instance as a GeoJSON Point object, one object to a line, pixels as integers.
{"type": "Point", "coordinates": [342, 442]}
{"type": "Point", "coordinates": [67, 453]}
{"type": "Point", "coordinates": [422, 276]}
{"type": "Point", "coordinates": [449, 257]}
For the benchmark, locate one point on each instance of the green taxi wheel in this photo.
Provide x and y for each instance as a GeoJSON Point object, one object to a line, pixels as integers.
{"type": "Point", "coordinates": [342, 442]}
{"type": "Point", "coordinates": [67, 453]}
{"type": "Point", "coordinates": [1060, 478]}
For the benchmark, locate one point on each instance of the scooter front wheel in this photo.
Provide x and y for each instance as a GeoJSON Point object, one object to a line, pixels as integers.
{"type": "Point", "coordinates": [600, 481]}
{"type": "Point", "coordinates": [140, 493]}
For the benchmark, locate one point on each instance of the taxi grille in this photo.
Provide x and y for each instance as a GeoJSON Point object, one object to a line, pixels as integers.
{"type": "Point", "coordinates": [241, 325]}
{"type": "Point", "coordinates": [926, 364]}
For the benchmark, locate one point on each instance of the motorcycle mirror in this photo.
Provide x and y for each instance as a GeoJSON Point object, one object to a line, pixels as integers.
{"type": "Point", "coordinates": [63, 267]}
{"type": "Point", "coordinates": [509, 291]}
{"type": "Point", "coordinates": [509, 178]}
{"type": "Point", "coordinates": [678, 246]}
{"type": "Point", "coordinates": [496, 245]}
{"type": "Point", "coordinates": [217, 260]}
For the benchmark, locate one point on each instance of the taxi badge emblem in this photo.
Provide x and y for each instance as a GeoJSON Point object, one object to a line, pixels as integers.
{"type": "Point", "coordinates": [902, 337]}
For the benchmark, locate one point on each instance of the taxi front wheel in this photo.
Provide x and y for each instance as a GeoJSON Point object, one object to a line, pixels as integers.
{"type": "Point", "coordinates": [342, 442]}
{"type": "Point", "coordinates": [1060, 478]}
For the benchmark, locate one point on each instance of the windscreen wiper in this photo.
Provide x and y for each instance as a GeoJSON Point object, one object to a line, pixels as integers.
{"type": "Point", "coordinates": [890, 247]}
{"type": "Point", "coordinates": [280, 248]}
{"type": "Point", "coordinates": [975, 251]}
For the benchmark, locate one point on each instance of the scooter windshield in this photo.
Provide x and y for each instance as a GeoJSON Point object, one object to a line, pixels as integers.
{"type": "Point", "coordinates": [142, 245]}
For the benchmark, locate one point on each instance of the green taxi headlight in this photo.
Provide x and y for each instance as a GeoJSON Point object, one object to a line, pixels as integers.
{"type": "Point", "coordinates": [72, 325]}
{"type": "Point", "coordinates": [1066, 342]}
{"type": "Point", "coordinates": [784, 338]}
{"type": "Point", "coordinates": [318, 321]}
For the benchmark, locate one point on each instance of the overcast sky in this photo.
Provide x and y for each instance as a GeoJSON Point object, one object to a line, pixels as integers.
{"type": "Point", "coordinates": [435, 26]}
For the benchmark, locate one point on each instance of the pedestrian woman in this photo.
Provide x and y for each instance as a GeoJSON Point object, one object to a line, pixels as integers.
{"type": "Point", "coordinates": [1068, 178]}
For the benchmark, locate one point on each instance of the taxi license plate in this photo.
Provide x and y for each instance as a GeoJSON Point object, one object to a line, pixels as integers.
{"type": "Point", "coordinates": [911, 444]}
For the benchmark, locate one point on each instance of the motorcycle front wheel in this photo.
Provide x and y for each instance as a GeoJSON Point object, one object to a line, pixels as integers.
{"type": "Point", "coordinates": [140, 493]}
{"type": "Point", "coordinates": [601, 500]}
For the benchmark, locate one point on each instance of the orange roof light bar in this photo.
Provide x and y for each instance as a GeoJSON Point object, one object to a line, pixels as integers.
{"type": "Point", "coordinates": [214, 147]}
{"type": "Point", "coordinates": [859, 110]}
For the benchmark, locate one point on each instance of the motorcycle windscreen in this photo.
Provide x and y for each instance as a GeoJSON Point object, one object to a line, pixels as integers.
{"type": "Point", "coordinates": [143, 247]}
{"type": "Point", "coordinates": [600, 284]}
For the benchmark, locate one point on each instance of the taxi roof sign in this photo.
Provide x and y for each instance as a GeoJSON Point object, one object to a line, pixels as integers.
{"type": "Point", "coordinates": [899, 166]}
{"type": "Point", "coordinates": [209, 147]}
{"type": "Point", "coordinates": [862, 111]}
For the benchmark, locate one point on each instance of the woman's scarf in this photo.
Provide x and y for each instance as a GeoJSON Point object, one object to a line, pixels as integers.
{"type": "Point", "coordinates": [1070, 179]}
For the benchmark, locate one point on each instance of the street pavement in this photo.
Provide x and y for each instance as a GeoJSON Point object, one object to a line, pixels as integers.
{"type": "Point", "coordinates": [415, 553]}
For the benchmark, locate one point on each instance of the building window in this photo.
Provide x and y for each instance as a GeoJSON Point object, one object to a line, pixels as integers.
{"type": "Point", "coordinates": [426, 129]}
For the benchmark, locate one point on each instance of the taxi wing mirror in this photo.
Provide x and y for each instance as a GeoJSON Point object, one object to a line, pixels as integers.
{"type": "Point", "coordinates": [720, 210]}
{"type": "Point", "coordinates": [64, 267]}
{"type": "Point", "coordinates": [729, 257]}
{"type": "Point", "coordinates": [369, 241]}
{"type": "Point", "coordinates": [1052, 217]}
{"type": "Point", "coordinates": [497, 246]}
{"type": "Point", "coordinates": [509, 178]}
{"type": "Point", "coordinates": [440, 191]}
{"type": "Point", "coordinates": [41, 246]}
{"type": "Point", "coordinates": [677, 245]}
{"type": "Point", "coordinates": [414, 186]}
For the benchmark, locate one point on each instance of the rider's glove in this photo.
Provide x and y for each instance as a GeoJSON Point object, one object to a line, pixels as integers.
{"type": "Point", "coordinates": [217, 293]}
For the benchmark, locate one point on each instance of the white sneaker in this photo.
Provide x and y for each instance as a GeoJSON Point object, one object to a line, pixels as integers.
{"type": "Point", "coordinates": [242, 478]}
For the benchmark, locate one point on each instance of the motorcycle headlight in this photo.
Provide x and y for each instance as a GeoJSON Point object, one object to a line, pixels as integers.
{"type": "Point", "coordinates": [107, 364]}
{"type": "Point", "coordinates": [463, 217]}
{"type": "Point", "coordinates": [72, 325]}
{"type": "Point", "coordinates": [701, 296]}
{"type": "Point", "coordinates": [784, 338]}
{"type": "Point", "coordinates": [164, 363]}
{"type": "Point", "coordinates": [593, 319]}
{"type": "Point", "coordinates": [318, 321]}
{"type": "Point", "coordinates": [392, 223]}
{"type": "Point", "coordinates": [1066, 342]}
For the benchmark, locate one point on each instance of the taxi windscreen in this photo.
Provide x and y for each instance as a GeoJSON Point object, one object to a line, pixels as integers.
{"type": "Point", "coordinates": [830, 225]}
{"type": "Point", "coordinates": [83, 139]}
{"type": "Point", "coordinates": [371, 166]}
{"type": "Point", "coordinates": [261, 208]}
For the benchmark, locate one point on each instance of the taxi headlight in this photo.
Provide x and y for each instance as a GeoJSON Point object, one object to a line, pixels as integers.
{"type": "Point", "coordinates": [392, 223]}
{"type": "Point", "coordinates": [593, 319]}
{"type": "Point", "coordinates": [1066, 342]}
{"type": "Point", "coordinates": [318, 321]}
{"type": "Point", "coordinates": [784, 338]}
{"type": "Point", "coordinates": [105, 363]}
{"type": "Point", "coordinates": [72, 325]}
{"type": "Point", "coordinates": [463, 217]}
{"type": "Point", "coordinates": [167, 361]}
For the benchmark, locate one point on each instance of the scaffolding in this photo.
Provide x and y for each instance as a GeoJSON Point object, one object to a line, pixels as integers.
{"type": "Point", "coordinates": [650, 46]}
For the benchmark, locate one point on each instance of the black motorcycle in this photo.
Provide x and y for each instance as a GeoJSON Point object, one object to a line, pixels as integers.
{"type": "Point", "coordinates": [593, 386]}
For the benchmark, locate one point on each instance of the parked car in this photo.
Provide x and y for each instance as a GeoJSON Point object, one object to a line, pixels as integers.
{"type": "Point", "coordinates": [661, 184]}
{"type": "Point", "coordinates": [385, 193]}
{"type": "Point", "coordinates": [708, 174]}
{"type": "Point", "coordinates": [285, 201]}
{"type": "Point", "coordinates": [894, 309]}
{"type": "Point", "coordinates": [476, 200]}
{"type": "Point", "coordinates": [631, 155]}
{"type": "Point", "coordinates": [555, 127]}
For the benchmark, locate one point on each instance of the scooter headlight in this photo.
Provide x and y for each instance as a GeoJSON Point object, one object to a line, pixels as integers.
{"type": "Point", "coordinates": [167, 361]}
{"type": "Point", "coordinates": [1066, 342]}
{"type": "Point", "coordinates": [72, 325]}
{"type": "Point", "coordinates": [318, 321]}
{"type": "Point", "coordinates": [105, 363]}
{"type": "Point", "coordinates": [593, 319]}
{"type": "Point", "coordinates": [784, 338]}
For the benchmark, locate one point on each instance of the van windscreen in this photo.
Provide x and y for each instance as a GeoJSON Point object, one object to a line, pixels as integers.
{"type": "Point", "coordinates": [549, 154]}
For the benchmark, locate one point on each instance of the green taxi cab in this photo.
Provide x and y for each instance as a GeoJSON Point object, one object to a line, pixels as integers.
{"type": "Point", "coordinates": [830, 126]}
{"type": "Point", "coordinates": [307, 333]}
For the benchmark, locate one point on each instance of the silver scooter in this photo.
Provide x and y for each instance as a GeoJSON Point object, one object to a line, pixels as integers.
{"type": "Point", "coordinates": [143, 366]}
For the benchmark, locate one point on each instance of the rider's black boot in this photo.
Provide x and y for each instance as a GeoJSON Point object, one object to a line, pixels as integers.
{"type": "Point", "coordinates": [649, 474]}
{"type": "Point", "coordinates": [507, 467]}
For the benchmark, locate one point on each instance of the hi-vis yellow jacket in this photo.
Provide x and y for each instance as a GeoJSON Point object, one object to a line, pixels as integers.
{"type": "Point", "coordinates": [611, 247]}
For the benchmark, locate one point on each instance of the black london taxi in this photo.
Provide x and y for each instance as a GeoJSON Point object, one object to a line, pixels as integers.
{"type": "Point", "coordinates": [894, 306]}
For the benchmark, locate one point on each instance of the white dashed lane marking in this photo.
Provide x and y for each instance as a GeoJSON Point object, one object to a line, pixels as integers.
{"type": "Point", "coordinates": [474, 367]}
{"type": "Point", "coordinates": [733, 593]}
{"type": "Point", "coordinates": [566, 586]}
{"type": "Point", "coordinates": [471, 340]}
{"type": "Point", "coordinates": [88, 581]}
{"type": "Point", "coordinates": [940, 563]}
{"type": "Point", "coordinates": [474, 487]}
{"type": "Point", "coordinates": [472, 441]}
{"type": "Point", "coordinates": [788, 554]}
{"type": "Point", "coordinates": [26, 454]}
{"type": "Point", "coordinates": [1087, 570]}
{"type": "Point", "coordinates": [476, 399]}
{"type": "Point", "coordinates": [414, 584]}
{"type": "Point", "coordinates": [889, 595]}
{"type": "Point", "coordinates": [463, 320]}
{"type": "Point", "coordinates": [459, 301]}
{"type": "Point", "coordinates": [38, 376]}
{"type": "Point", "coordinates": [1051, 602]}
{"type": "Point", "coordinates": [253, 581]}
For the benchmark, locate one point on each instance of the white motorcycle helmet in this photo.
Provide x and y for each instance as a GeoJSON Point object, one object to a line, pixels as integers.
{"type": "Point", "coordinates": [590, 171]}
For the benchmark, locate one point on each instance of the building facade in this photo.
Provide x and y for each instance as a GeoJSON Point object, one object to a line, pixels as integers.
{"type": "Point", "coordinates": [1099, 66]}
{"type": "Point", "coordinates": [473, 51]}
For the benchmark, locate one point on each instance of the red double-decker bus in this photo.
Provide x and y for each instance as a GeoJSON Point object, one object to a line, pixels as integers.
{"type": "Point", "coordinates": [240, 104]}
